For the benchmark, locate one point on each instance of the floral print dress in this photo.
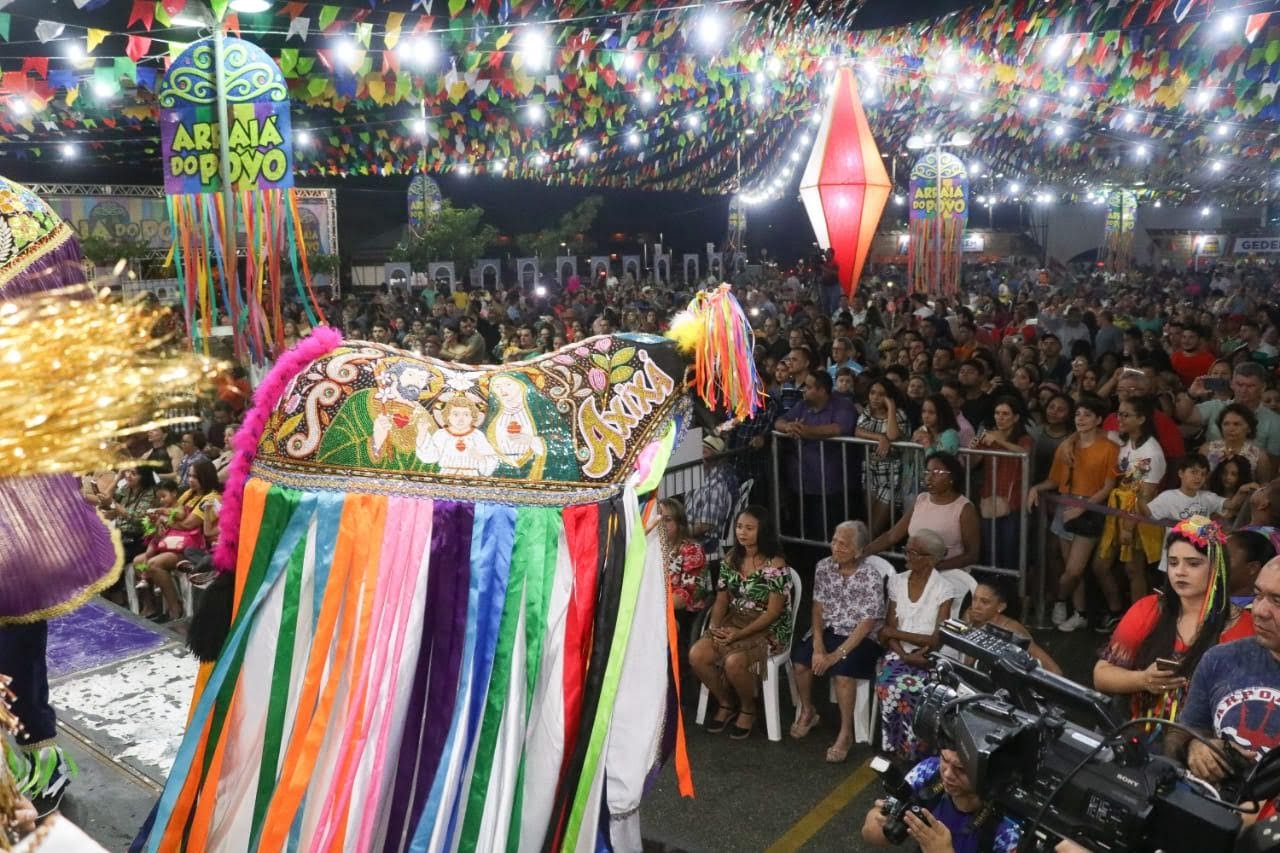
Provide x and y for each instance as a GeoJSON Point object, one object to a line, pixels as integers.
{"type": "Point", "coordinates": [748, 598]}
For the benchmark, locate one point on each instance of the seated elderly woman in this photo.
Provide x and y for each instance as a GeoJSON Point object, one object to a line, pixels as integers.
{"type": "Point", "coordinates": [919, 602]}
{"type": "Point", "coordinates": [990, 601]}
{"type": "Point", "coordinates": [749, 621]}
{"type": "Point", "coordinates": [848, 607]}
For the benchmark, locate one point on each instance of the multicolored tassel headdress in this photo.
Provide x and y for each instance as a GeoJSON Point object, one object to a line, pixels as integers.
{"type": "Point", "coordinates": [716, 332]}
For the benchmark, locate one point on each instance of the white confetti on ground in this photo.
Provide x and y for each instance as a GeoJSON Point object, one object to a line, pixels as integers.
{"type": "Point", "coordinates": [137, 710]}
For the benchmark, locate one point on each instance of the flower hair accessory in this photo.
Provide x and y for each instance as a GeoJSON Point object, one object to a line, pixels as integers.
{"type": "Point", "coordinates": [1202, 531]}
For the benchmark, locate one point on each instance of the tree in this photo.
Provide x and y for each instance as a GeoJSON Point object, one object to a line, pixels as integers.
{"type": "Point", "coordinates": [566, 237]}
{"type": "Point", "coordinates": [456, 234]}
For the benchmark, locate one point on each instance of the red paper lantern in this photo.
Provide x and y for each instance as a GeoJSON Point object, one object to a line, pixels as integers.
{"type": "Point", "coordinates": [845, 185]}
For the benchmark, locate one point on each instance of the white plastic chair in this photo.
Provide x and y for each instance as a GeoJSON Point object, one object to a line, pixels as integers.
{"type": "Point", "coordinates": [770, 684]}
{"type": "Point", "coordinates": [182, 579]}
{"type": "Point", "coordinates": [964, 585]}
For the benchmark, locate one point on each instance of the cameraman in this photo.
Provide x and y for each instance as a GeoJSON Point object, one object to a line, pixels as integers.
{"type": "Point", "coordinates": [955, 819]}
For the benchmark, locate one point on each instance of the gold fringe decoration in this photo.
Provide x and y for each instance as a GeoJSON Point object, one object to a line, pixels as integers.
{"type": "Point", "coordinates": [78, 372]}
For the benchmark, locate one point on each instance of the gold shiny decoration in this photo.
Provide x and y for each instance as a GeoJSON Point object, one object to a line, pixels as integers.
{"type": "Point", "coordinates": [78, 372]}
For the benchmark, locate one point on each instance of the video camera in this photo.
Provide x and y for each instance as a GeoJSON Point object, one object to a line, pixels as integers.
{"type": "Point", "coordinates": [1007, 719]}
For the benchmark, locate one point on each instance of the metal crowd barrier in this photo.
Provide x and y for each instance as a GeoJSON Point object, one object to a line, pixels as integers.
{"type": "Point", "coordinates": [912, 458]}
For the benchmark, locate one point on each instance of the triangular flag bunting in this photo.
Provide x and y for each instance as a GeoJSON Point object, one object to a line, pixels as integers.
{"type": "Point", "coordinates": [94, 38]}
{"type": "Point", "coordinates": [144, 12]}
{"type": "Point", "coordinates": [299, 27]}
{"type": "Point", "coordinates": [1255, 25]}
{"type": "Point", "coordinates": [47, 31]}
{"type": "Point", "coordinates": [137, 47]}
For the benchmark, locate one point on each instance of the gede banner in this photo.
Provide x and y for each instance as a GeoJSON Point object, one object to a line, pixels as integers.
{"type": "Point", "coordinates": [260, 138]}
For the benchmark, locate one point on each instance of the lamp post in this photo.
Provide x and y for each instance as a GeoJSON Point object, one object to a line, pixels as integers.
{"type": "Point", "coordinates": [917, 143]}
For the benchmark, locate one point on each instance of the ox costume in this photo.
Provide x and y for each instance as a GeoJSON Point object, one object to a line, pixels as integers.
{"type": "Point", "coordinates": [451, 631]}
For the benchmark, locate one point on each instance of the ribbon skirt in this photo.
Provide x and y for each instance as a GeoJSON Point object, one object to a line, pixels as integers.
{"type": "Point", "coordinates": [429, 675]}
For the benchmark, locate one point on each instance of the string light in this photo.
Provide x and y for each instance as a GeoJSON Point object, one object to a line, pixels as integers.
{"type": "Point", "coordinates": [710, 29]}
{"type": "Point", "coordinates": [535, 50]}
{"type": "Point", "coordinates": [757, 100]}
{"type": "Point", "coordinates": [692, 122]}
{"type": "Point", "coordinates": [632, 61]}
{"type": "Point", "coordinates": [69, 151]}
{"type": "Point", "coordinates": [1130, 119]}
{"type": "Point", "coordinates": [1221, 130]}
{"type": "Point", "coordinates": [103, 89]}
{"type": "Point", "coordinates": [584, 150]}
{"type": "Point", "coordinates": [1157, 204]}
{"type": "Point", "coordinates": [347, 53]}
{"type": "Point", "coordinates": [1216, 165]}
{"type": "Point", "coordinates": [1033, 103]}
{"type": "Point", "coordinates": [646, 98]}
{"type": "Point", "coordinates": [1203, 98]}
{"type": "Point", "coordinates": [1206, 210]}
{"type": "Point", "coordinates": [899, 200]}
{"type": "Point", "coordinates": [18, 106]}
{"type": "Point", "coordinates": [1059, 131]}
{"type": "Point", "coordinates": [1015, 188]}
{"type": "Point", "coordinates": [464, 169]}
{"type": "Point", "coordinates": [74, 51]}
{"type": "Point", "coordinates": [950, 60]}
{"type": "Point", "coordinates": [303, 138]}
{"type": "Point", "coordinates": [421, 52]}
{"type": "Point", "coordinates": [541, 159]}
{"type": "Point", "coordinates": [499, 167]}
{"type": "Point", "coordinates": [633, 139]}
{"type": "Point", "coordinates": [534, 112]}
{"type": "Point", "coordinates": [1227, 23]}
{"type": "Point", "coordinates": [1073, 91]}
{"type": "Point", "coordinates": [773, 65]}
{"type": "Point", "coordinates": [1058, 47]}
{"type": "Point", "coordinates": [420, 127]}
{"type": "Point", "coordinates": [1141, 151]}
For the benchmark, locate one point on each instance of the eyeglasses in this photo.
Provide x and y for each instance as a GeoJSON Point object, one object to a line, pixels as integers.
{"type": "Point", "coordinates": [936, 472]}
{"type": "Point", "coordinates": [912, 552]}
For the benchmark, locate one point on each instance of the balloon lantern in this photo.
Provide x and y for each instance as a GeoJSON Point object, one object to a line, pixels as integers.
{"type": "Point", "coordinates": [845, 185]}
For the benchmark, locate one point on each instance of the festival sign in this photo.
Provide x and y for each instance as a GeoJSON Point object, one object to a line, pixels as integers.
{"type": "Point", "coordinates": [938, 214]}
{"type": "Point", "coordinates": [102, 215]}
{"type": "Point", "coordinates": [260, 139]}
{"type": "Point", "coordinates": [1257, 245]}
{"type": "Point", "coordinates": [255, 130]}
{"type": "Point", "coordinates": [1122, 212]}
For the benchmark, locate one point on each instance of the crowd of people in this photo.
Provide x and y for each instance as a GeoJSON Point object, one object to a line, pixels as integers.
{"type": "Point", "coordinates": [1142, 409]}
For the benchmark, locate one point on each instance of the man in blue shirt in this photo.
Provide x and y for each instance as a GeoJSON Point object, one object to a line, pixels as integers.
{"type": "Point", "coordinates": [1235, 688]}
{"type": "Point", "coordinates": [813, 471]}
{"type": "Point", "coordinates": [842, 356]}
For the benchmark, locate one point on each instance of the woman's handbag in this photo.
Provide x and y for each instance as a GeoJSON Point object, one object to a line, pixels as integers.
{"type": "Point", "coordinates": [175, 541]}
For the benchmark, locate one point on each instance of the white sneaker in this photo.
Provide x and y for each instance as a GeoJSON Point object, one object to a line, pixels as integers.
{"type": "Point", "coordinates": [1074, 622]}
{"type": "Point", "coordinates": [1059, 612]}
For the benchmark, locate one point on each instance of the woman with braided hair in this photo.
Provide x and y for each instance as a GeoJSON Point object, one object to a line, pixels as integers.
{"type": "Point", "coordinates": [1160, 639]}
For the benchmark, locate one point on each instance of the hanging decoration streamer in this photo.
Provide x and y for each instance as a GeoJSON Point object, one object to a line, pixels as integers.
{"type": "Point", "coordinates": [937, 227]}
{"type": "Point", "coordinates": [263, 202]}
{"type": "Point", "coordinates": [424, 203]}
{"type": "Point", "coordinates": [1122, 210]}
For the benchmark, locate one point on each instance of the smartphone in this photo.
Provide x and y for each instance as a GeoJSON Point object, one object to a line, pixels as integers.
{"type": "Point", "coordinates": [1166, 664]}
{"type": "Point", "coordinates": [1215, 383]}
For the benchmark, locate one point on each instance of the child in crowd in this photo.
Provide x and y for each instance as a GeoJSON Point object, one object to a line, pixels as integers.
{"type": "Point", "coordinates": [1191, 498]}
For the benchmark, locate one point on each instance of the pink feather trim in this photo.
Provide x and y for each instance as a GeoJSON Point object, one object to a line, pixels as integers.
{"type": "Point", "coordinates": [322, 339]}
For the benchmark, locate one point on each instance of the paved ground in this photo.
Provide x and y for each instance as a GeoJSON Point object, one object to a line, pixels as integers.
{"type": "Point", "coordinates": [122, 717]}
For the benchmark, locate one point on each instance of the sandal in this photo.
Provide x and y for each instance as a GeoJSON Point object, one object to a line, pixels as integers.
{"type": "Point", "coordinates": [802, 727]}
{"type": "Point", "coordinates": [717, 725]}
{"type": "Point", "coordinates": [739, 733]}
{"type": "Point", "coordinates": [836, 754]}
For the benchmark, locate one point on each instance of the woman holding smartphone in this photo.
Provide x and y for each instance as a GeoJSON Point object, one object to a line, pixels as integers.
{"type": "Point", "coordinates": [1157, 644]}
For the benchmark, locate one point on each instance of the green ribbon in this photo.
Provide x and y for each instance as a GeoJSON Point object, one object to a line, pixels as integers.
{"type": "Point", "coordinates": [281, 676]}
{"type": "Point", "coordinates": [546, 527]}
{"type": "Point", "coordinates": [280, 506]}
{"type": "Point", "coordinates": [499, 683]}
{"type": "Point", "coordinates": [633, 569]}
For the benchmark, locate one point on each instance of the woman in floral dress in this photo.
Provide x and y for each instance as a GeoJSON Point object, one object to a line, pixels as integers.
{"type": "Point", "coordinates": [750, 621]}
{"type": "Point", "coordinates": [686, 562]}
